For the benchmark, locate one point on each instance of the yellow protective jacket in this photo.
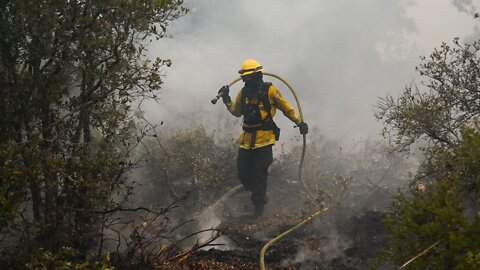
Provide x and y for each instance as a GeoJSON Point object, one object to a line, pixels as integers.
{"type": "Point", "coordinates": [263, 137]}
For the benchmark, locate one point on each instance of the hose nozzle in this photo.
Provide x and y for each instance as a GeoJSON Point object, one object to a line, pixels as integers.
{"type": "Point", "coordinates": [223, 92]}
{"type": "Point", "coordinates": [215, 99]}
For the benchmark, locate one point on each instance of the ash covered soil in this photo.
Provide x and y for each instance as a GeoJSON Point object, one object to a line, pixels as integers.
{"type": "Point", "coordinates": [346, 236]}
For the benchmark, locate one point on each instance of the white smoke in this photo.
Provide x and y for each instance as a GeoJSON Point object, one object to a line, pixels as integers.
{"type": "Point", "coordinates": [340, 56]}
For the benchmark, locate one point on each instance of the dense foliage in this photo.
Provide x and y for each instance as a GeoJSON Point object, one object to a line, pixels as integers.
{"type": "Point", "coordinates": [69, 71]}
{"type": "Point", "coordinates": [439, 218]}
{"type": "Point", "coordinates": [446, 211]}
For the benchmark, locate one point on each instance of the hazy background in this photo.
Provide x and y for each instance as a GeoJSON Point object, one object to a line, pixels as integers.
{"type": "Point", "coordinates": [340, 56]}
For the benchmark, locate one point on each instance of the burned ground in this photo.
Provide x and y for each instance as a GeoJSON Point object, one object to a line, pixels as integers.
{"type": "Point", "coordinates": [351, 247]}
{"type": "Point", "coordinates": [340, 238]}
{"type": "Point", "coordinates": [357, 184]}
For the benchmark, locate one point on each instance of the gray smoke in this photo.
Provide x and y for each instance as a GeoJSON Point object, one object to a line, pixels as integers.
{"type": "Point", "coordinates": [340, 56]}
{"type": "Point", "coordinates": [464, 6]}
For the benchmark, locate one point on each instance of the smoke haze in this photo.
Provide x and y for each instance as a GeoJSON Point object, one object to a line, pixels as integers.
{"type": "Point", "coordinates": [340, 56]}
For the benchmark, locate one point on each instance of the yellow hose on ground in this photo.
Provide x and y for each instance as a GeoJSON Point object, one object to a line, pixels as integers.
{"type": "Point", "coordinates": [300, 166]}
{"type": "Point", "coordinates": [267, 245]}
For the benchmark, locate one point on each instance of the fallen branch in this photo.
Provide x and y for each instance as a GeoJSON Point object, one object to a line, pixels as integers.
{"type": "Point", "coordinates": [196, 247]}
{"type": "Point", "coordinates": [425, 251]}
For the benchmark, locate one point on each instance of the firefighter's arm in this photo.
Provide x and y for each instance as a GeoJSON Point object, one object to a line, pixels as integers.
{"type": "Point", "coordinates": [282, 104]}
{"type": "Point", "coordinates": [235, 107]}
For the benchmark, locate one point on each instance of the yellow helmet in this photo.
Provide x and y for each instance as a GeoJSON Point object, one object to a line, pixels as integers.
{"type": "Point", "coordinates": [250, 66]}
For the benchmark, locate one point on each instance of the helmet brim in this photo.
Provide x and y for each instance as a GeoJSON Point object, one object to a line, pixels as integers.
{"type": "Point", "coordinates": [245, 72]}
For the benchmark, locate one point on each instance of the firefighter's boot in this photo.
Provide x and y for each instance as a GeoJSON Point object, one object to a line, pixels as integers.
{"type": "Point", "coordinates": [258, 212]}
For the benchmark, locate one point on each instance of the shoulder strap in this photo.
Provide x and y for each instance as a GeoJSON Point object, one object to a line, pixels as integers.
{"type": "Point", "coordinates": [265, 99]}
{"type": "Point", "coordinates": [243, 100]}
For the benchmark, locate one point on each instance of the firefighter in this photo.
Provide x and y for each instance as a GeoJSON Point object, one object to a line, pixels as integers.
{"type": "Point", "coordinates": [257, 102]}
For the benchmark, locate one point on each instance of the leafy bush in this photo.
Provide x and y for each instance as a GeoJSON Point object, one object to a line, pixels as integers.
{"type": "Point", "coordinates": [447, 211]}
{"type": "Point", "coordinates": [190, 161]}
{"type": "Point", "coordinates": [69, 72]}
{"type": "Point", "coordinates": [64, 259]}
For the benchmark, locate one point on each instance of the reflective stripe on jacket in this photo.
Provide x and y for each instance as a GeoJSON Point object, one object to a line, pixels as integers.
{"type": "Point", "coordinates": [263, 137]}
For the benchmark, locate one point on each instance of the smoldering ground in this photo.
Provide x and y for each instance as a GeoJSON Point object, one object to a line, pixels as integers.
{"type": "Point", "coordinates": [357, 183]}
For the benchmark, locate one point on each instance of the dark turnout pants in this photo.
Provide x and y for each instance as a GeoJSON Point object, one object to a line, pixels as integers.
{"type": "Point", "coordinates": [253, 171]}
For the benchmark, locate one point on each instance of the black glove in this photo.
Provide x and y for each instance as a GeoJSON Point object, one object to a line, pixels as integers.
{"type": "Point", "coordinates": [303, 128]}
{"type": "Point", "coordinates": [224, 92]}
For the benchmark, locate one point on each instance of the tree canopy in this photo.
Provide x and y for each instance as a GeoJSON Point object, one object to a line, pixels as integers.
{"type": "Point", "coordinates": [447, 98]}
{"type": "Point", "coordinates": [69, 72]}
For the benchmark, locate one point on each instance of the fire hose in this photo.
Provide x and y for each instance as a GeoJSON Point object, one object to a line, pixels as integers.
{"type": "Point", "coordinates": [300, 166]}
{"type": "Point", "coordinates": [280, 236]}
{"type": "Point", "coordinates": [307, 190]}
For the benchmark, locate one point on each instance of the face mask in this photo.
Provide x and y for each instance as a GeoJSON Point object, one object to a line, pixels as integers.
{"type": "Point", "coordinates": [254, 82]}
